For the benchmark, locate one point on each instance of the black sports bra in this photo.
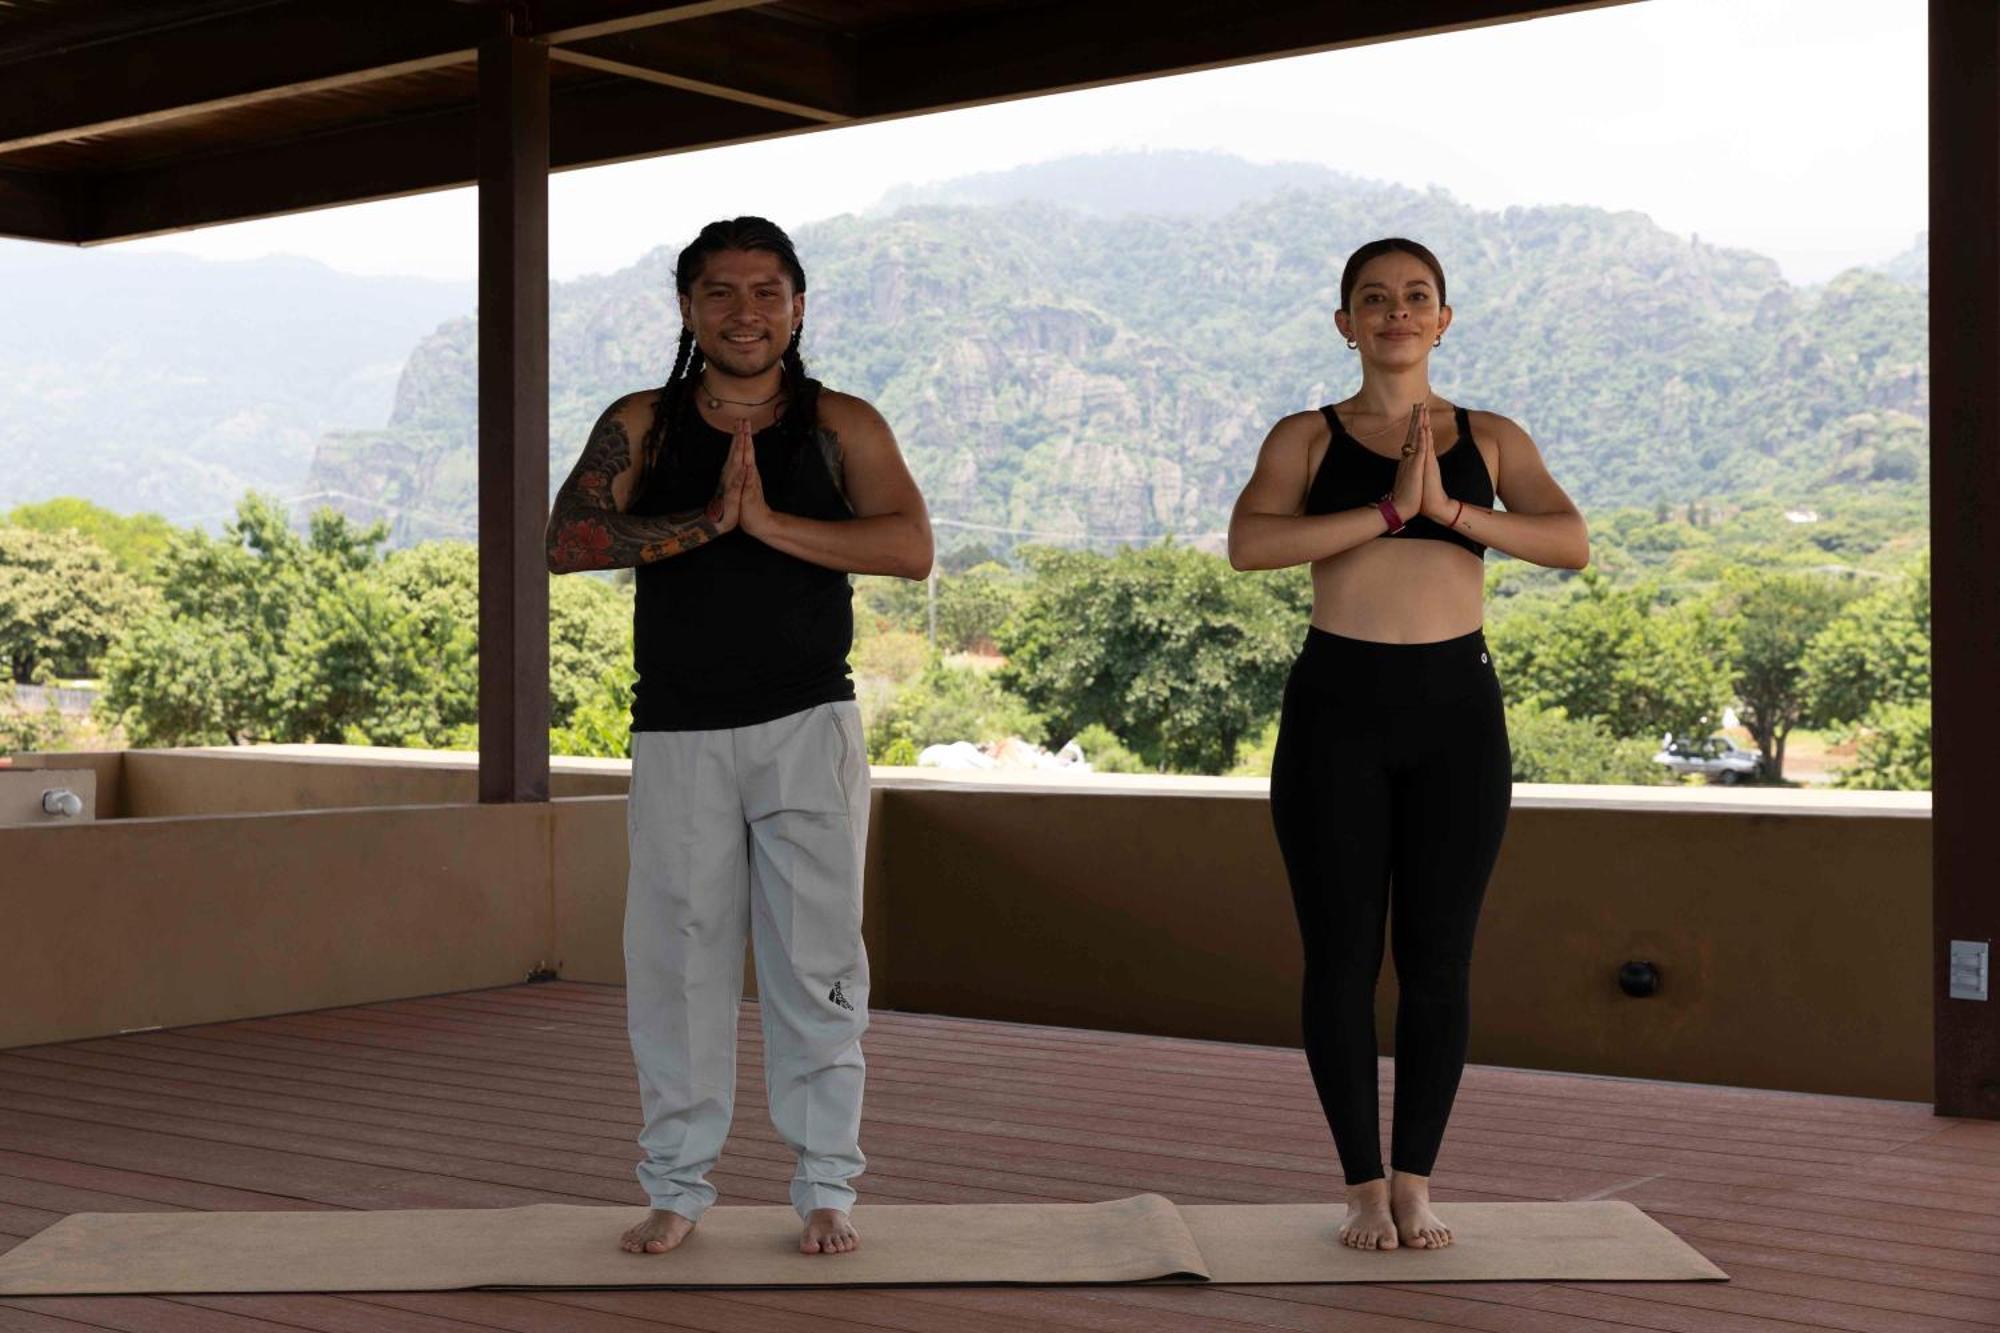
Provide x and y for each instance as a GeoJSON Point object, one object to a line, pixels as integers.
{"type": "Point", "coordinates": [1353, 475]}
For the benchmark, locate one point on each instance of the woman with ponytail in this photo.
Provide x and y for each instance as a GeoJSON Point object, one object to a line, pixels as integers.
{"type": "Point", "coordinates": [750, 497]}
{"type": "Point", "coordinates": [1391, 781]}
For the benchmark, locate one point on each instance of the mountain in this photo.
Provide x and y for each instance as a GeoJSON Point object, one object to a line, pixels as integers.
{"type": "Point", "coordinates": [1168, 183]}
{"type": "Point", "coordinates": [163, 382]}
{"type": "Point", "coordinates": [1913, 266]}
{"type": "Point", "coordinates": [1049, 369]}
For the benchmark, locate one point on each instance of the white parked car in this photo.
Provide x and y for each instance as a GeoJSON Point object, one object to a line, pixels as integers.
{"type": "Point", "coordinates": [1717, 758]}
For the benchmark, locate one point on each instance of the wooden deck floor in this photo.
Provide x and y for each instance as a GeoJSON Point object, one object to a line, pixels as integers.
{"type": "Point", "coordinates": [1827, 1212]}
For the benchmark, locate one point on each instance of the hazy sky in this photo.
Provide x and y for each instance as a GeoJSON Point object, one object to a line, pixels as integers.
{"type": "Point", "coordinates": [1793, 127]}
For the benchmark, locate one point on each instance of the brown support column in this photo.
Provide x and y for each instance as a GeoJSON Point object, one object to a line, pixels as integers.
{"type": "Point", "coordinates": [1965, 533]}
{"type": "Point", "coordinates": [513, 419]}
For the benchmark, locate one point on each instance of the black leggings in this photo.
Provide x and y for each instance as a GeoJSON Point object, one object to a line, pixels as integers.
{"type": "Point", "coordinates": [1392, 778]}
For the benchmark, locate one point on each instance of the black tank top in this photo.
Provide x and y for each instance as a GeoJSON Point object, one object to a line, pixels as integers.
{"type": "Point", "coordinates": [1352, 475]}
{"type": "Point", "coordinates": [736, 632]}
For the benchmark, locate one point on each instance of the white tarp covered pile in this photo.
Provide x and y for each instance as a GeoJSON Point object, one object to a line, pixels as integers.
{"type": "Point", "coordinates": [1013, 753]}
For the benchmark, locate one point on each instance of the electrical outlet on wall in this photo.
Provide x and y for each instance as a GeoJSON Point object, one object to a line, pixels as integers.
{"type": "Point", "coordinates": [1970, 967]}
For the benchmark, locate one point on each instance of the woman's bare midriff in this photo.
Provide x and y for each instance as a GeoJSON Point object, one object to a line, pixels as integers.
{"type": "Point", "coordinates": [1409, 590]}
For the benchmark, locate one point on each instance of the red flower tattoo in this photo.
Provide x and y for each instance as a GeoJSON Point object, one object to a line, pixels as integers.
{"type": "Point", "coordinates": [583, 545]}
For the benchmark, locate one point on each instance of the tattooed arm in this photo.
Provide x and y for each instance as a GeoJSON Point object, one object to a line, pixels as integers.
{"type": "Point", "coordinates": [588, 525]}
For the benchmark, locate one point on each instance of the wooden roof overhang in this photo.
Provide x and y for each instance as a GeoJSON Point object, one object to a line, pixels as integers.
{"type": "Point", "coordinates": [125, 118]}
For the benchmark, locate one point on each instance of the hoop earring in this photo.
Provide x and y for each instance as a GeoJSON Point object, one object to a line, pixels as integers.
{"type": "Point", "coordinates": [1439, 342]}
{"type": "Point", "coordinates": [1351, 344]}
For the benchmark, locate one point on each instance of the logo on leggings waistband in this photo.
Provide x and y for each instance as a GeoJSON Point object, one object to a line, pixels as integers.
{"type": "Point", "coordinates": [838, 998]}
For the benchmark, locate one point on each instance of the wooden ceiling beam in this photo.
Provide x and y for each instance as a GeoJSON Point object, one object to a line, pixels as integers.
{"type": "Point", "coordinates": [743, 57]}
{"type": "Point", "coordinates": [602, 121]}
{"type": "Point", "coordinates": [226, 62]}
{"type": "Point", "coordinates": [35, 208]}
{"type": "Point", "coordinates": [273, 52]}
{"type": "Point", "coordinates": [664, 79]}
{"type": "Point", "coordinates": [568, 21]}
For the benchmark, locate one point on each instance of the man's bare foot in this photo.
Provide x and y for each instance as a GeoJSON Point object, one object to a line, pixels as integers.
{"type": "Point", "coordinates": [1410, 1201]}
{"type": "Point", "coordinates": [1369, 1224]}
{"type": "Point", "coordinates": [660, 1232]}
{"type": "Point", "coordinates": [828, 1232]}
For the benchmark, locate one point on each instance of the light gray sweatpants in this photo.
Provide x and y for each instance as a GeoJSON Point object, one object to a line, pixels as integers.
{"type": "Point", "coordinates": [759, 829]}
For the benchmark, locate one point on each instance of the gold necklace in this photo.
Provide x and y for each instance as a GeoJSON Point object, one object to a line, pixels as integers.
{"type": "Point", "coordinates": [1403, 424]}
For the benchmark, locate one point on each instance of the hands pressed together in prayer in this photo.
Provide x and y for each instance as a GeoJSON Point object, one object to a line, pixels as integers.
{"type": "Point", "coordinates": [1419, 488]}
{"type": "Point", "coordinates": [739, 496]}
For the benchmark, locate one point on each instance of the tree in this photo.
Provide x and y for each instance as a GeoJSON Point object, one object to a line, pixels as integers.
{"type": "Point", "coordinates": [883, 604]}
{"type": "Point", "coordinates": [1176, 653]}
{"type": "Point", "coordinates": [601, 723]}
{"type": "Point", "coordinates": [22, 730]}
{"type": "Point", "coordinates": [972, 606]}
{"type": "Point", "coordinates": [1895, 750]}
{"type": "Point", "coordinates": [590, 637]}
{"type": "Point", "coordinates": [134, 541]}
{"type": "Point", "coordinates": [1549, 746]}
{"type": "Point", "coordinates": [1876, 651]}
{"type": "Point", "coordinates": [62, 599]}
{"type": "Point", "coordinates": [1641, 669]}
{"type": "Point", "coordinates": [948, 704]}
{"type": "Point", "coordinates": [1774, 616]}
{"type": "Point", "coordinates": [435, 587]}
{"type": "Point", "coordinates": [264, 635]}
{"type": "Point", "coordinates": [1105, 753]}
{"type": "Point", "coordinates": [251, 637]}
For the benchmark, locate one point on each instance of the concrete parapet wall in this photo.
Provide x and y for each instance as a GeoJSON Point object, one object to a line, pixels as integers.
{"type": "Point", "coordinates": [1790, 928]}
{"type": "Point", "coordinates": [140, 923]}
{"type": "Point", "coordinates": [1792, 935]}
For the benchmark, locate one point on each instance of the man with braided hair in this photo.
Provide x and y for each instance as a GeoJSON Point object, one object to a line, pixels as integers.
{"type": "Point", "coordinates": [744, 495]}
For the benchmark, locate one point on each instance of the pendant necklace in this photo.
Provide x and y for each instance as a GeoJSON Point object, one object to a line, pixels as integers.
{"type": "Point", "coordinates": [715, 400]}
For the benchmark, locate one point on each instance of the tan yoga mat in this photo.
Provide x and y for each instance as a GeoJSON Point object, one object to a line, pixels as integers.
{"type": "Point", "coordinates": [1605, 1240]}
{"type": "Point", "coordinates": [1141, 1239]}
{"type": "Point", "coordinates": [565, 1245]}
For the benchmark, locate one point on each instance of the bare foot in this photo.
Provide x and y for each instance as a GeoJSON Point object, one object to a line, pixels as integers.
{"type": "Point", "coordinates": [1369, 1224]}
{"type": "Point", "coordinates": [828, 1232]}
{"type": "Point", "coordinates": [660, 1232]}
{"type": "Point", "coordinates": [1419, 1227]}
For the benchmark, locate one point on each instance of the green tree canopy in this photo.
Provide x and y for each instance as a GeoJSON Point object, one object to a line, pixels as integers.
{"type": "Point", "coordinates": [1550, 747]}
{"type": "Point", "coordinates": [947, 704]}
{"type": "Point", "coordinates": [1895, 749]}
{"type": "Point", "coordinates": [973, 605]}
{"type": "Point", "coordinates": [1179, 655]}
{"type": "Point", "coordinates": [1773, 617]}
{"type": "Point", "coordinates": [1876, 651]}
{"type": "Point", "coordinates": [601, 724]}
{"type": "Point", "coordinates": [62, 599]}
{"type": "Point", "coordinates": [232, 652]}
{"type": "Point", "coordinates": [262, 634]}
{"type": "Point", "coordinates": [133, 540]}
{"type": "Point", "coordinates": [1616, 655]}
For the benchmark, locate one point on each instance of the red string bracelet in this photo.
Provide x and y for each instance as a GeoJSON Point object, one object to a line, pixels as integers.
{"type": "Point", "coordinates": [1460, 514]}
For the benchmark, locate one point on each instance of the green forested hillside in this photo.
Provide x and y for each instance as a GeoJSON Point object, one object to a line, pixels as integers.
{"type": "Point", "coordinates": [1057, 371]}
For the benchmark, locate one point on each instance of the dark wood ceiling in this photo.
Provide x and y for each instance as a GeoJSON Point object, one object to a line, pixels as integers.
{"type": "Point", "coordinates": [122, 118]}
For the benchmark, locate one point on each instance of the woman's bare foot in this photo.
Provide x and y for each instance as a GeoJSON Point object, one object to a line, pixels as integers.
{"type": "Point", "coordinates": [1416, 1224]}
{"type": "Point", "coordinates": [828, 1232]}
{"type": "Point", "coordinates": [660, 1232]}
{"type": "Point", "coordinates": [1369, 1224]}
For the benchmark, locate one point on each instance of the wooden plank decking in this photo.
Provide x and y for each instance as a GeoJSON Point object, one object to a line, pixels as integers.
{"type": "Point", "coordinates": [1828, 1212]}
